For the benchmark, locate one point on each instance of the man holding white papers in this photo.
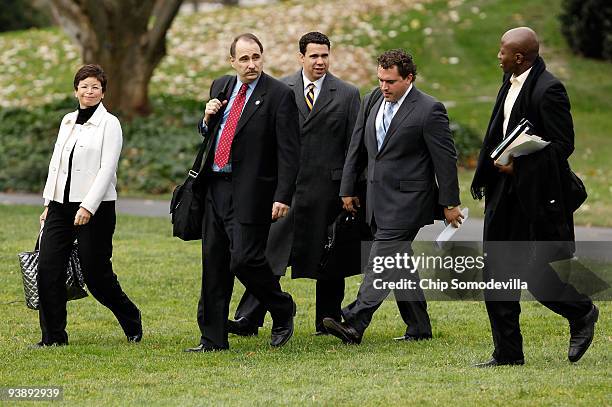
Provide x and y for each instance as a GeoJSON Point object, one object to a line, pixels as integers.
{"type": "Point", "coordinates": [529, 204]}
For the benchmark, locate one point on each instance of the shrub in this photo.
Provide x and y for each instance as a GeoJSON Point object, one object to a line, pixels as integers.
{"type": "Point", "coordinates": [467, 143]}
{"type": "Point", "coordinates": [20, 15]}
{"type": "Point", "coordinates": [157, 150]}
{"type": "Point", "coordinates": [156, 153]}
{"type": "Point", "coordinates": [587, 27]}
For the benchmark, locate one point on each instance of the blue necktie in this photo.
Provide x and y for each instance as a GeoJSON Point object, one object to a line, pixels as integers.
{"type": "Point", "coordinates": [381, 132]}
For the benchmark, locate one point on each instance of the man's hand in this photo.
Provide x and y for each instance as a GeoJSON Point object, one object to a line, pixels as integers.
{"type": "Point", "coordinates": [212, 107]}
{"type": "Point", "coordinates": [82, 217]}
{"type": "Point", "coordinates": [453, 216]}
{"type": "Point", "coordinates": [279, 210]}
{"type": "Point", "coordinates": [43, 216]}
{"type": "Point", "coordinates": [506, 169]}
{"type": "Point", "coordinates": [350, 204]}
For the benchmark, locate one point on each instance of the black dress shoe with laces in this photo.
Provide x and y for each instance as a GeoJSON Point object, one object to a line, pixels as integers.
{"type": "Point", "coordinates": [342, 330]}
{"type": "Point", "coordinates": [241, 327]}
{"type": "Point", "coordinates": [581, 334]}
{"type": "Point", "coordinates": [281, 333]}
{"type": "Point", "coordinates": [203, 348]}
{"type": "Point", "coordinates": [494, 362]}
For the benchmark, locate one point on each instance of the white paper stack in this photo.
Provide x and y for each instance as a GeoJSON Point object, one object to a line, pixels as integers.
{"type": "Point", "coordinates": [450, 230]}
{"type": "Point", "coordinates": [522, 145]}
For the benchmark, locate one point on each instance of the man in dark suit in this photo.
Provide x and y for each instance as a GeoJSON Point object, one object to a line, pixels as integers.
{"type": "Point", "coordinates": [327, 112]}
{"type": "Point", "coordinates": [405, 140]}
{"type": "Point", "coordinates": [252, 136]}
{"type": "Point", "coordinates": [528, 203]}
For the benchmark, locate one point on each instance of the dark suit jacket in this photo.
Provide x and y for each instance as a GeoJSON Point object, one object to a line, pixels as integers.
{"type": "Point", "coordinates": [324, 137]}
{"type": "Point", "coordinates": [265, 149]}
{"type": "Point", "coordinates": [418, 150]}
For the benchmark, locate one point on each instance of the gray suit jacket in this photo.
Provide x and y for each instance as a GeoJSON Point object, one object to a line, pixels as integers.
{"type": "Point", "coordinates": [325, 133]}
{"type": "Point", "coordinates": [418, 150]}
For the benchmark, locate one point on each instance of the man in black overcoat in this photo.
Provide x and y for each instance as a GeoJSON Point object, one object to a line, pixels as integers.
{"type": "Point", "coordinates": [327, 110]}
{"type": "Point", "coordinates": [528, 203]}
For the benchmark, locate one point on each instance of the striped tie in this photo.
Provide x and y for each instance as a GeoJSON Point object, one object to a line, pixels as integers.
{"type": "Point", "coordinates": [310, 96]}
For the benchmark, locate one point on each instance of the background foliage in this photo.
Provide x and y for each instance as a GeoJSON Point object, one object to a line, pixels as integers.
{"type": "Point", "coordinates": [587, 27]}
{"type": "Point", "coordinates": [157, 150]}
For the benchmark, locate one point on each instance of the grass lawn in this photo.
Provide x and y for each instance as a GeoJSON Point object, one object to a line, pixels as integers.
{"type": "Point", "coordinates": [162, 275]}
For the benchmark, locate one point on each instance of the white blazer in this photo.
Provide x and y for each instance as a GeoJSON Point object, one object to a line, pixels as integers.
{"type": "Point", "coordinates": [95, 159]}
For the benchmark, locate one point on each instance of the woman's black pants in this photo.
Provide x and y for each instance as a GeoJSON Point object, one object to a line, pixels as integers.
{"type": "Point", "coordinates": [95, 248]}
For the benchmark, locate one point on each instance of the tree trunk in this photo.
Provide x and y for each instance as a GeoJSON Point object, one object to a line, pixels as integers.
{"type": "Point", "coordinates": [126, 37]}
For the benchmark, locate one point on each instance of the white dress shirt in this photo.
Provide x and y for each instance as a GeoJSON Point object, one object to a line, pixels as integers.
{"type": "Point", "coordinates": [317, 86]}
{"type": "Point", "coordinates": [515, 88]}
{"type": "Point", "coordinates": [396, 107]}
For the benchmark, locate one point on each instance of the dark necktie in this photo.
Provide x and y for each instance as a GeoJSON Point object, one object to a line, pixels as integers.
{"type": "Point", "coordinates": [310, 96]}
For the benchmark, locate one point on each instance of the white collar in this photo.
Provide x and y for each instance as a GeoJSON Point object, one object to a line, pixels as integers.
{"type": "Point", "coordinates": [521, 78]}
{"type": "Point", "coordinates": [318, 83]}
{"type": "Point", "coordinates": [401, 100]}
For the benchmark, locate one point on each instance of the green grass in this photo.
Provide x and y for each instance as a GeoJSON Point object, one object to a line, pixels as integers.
{"type": "Point", "coordinates": [162, 275]}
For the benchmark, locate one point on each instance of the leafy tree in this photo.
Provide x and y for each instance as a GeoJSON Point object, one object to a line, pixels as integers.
{"type": "Point", "coordinates": [126, 37]}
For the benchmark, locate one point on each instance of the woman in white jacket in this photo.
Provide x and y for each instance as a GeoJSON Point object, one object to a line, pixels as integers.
{"type": "Point", "coordinates": [80, 204]}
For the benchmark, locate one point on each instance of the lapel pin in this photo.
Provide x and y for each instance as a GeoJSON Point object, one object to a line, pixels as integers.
{"type": "Point", "coordinates": [257, 102]}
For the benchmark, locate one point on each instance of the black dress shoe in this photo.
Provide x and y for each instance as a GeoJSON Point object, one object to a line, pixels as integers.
{"type": "Point", "coordinates": [137, 337]}
{"type": "Point", "coordinates": [241, 327]}
{"type": "Point", "coordinates": [281, 333]}
{"type": "Point", "coordinates": [411, 338]}
{"type": "Point", "coordinates": [494, 362]}
{"type": "Point", "coordinates": [342, 330]}
{"type": "Point", "coordinates": [203, 348]}
{"type": "Point", "coordinates": [581, 334]}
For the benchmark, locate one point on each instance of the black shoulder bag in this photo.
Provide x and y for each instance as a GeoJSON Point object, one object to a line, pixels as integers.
{"type": "Point", "coordinates": [187, 206]}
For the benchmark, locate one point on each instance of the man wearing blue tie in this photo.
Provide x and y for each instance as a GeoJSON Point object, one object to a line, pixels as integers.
{"type": "Point", "coordinates": [403, 137]}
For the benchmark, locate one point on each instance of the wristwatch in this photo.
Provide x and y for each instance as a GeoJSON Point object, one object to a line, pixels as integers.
{"type": "Point", "coordinates": [449, 207]}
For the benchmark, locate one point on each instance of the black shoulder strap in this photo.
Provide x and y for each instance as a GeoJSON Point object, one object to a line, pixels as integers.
{"type": "Point", "coordinates": [197, 164]}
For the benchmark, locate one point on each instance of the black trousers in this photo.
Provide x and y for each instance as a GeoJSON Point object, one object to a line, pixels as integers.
{"type": "Point", "coordinates": [95, 249]}
{"type": "Point", "coordinates": [231, 248]}
{"type": "Point", "coordinates": [510, 254]}
{"type": "Point", "coordinates": [328, 297]}
{"type": "Point", "coordinates": [411, 304]}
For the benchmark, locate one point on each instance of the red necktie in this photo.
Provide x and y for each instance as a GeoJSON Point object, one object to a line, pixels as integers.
{"type": "Point", "coordinates": [227, 135]}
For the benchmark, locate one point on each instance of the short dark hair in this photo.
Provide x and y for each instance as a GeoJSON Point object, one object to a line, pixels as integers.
{"type": "Point", "coordinates": [90, 71]}
{"type": "Point", "coordinates": [401, 59]}
{"type": "Point", "coordinates": [248, 37]}
{"type": "Point", "coordinates": [313, 37]}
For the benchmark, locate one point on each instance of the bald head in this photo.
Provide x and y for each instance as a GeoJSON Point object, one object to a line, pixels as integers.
{"type": "Point", "coordinates": [523, 40]}
{"type": "Point", "coordinates": [519, 49]}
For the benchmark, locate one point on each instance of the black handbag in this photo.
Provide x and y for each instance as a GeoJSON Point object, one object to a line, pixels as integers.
{"type": "Point", "coordinates": [75, 283]}
{"type": "Point", "coordinates": [187, 206]}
